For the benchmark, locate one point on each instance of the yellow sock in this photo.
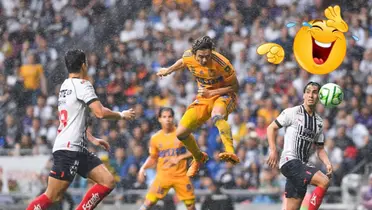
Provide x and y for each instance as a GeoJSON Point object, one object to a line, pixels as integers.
{"type": "Point", "coordinates": [191, 145]}
{"type": "Point", "coordinates": [225, 133]}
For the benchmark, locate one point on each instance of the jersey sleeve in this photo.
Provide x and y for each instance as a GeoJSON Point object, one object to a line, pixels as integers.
{"type": "Point", "coordinates": [85, 92]}
{"type": "Point", "coordinates": [224, 66]}
{"type": "Point", "coordinates": [153, 149]}
{"type": "Point", "coordinates": [187, 57]}
{"type": "Point", "coordinates": [285, 118]}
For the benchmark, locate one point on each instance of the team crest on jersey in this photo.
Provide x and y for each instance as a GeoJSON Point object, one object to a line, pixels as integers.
{"type": "Point", "coordinates": [82, 81]}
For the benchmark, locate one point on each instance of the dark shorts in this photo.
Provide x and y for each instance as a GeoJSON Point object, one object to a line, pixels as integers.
{"type": "Point", "coordinates": [68, 163]}
{"type": "Point", "coordinates": [298, 176]}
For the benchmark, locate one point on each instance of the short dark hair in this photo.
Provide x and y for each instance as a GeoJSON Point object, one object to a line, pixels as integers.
{"type": "Point", "coordinates": [202, 43]}
{"type": "Point", "coordinates": [312, 84]}
{"type": "Point", "coordinates": [165, 109]}
{"type": "Point", "coordinates": [74, 59]}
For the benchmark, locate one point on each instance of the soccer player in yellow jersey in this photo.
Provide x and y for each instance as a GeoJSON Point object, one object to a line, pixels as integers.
{"type": "Point", "coordinates": [169, 155]}
{"type": "Point", "coordinates": [217, 90]}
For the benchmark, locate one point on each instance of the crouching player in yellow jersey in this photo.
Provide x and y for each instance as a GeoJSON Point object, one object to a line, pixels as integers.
{"type": "Point", "coordinates": [170, 156]}
{"type": "Point", "coordinates": [218, 87]}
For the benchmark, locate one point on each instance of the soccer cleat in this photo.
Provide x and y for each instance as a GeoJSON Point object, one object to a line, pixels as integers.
{"type": "Point", "coordinates": [229, 157]}
{"type": "Point", "coordinates": [195, 165]}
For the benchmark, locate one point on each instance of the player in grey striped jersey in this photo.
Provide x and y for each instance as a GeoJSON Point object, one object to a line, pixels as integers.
{"type": "Point", "coordinates": [303, 129]}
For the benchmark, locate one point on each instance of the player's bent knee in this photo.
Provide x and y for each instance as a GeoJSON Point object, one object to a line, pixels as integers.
{"type": "Point", "coordinates": [217, 117]}
{"type": "Point", "coordinates": [182, 137]}
{"type": "Point", "coordinates": [110, 181]}
{"type": "Point", "coordinates": [322, 180]}
{"type": "Point", "coordinates": [325, 183]}
{"type": "Point", "coordinates": [182, 134]}
{"type": "Point", "coordinates": [54, 196]}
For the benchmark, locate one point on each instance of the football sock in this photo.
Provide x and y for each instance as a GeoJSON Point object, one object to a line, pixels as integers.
{"type": "Point", "coordinates": [225, 133]}
{"type": "Point", "coordinates": [94, 195]}
{"type": "Point", "coordinates": [42, 202]}
{"type": "Point", "coordinates": [316, 198]}
{"type": "Point", "coordinates": [191, 145]}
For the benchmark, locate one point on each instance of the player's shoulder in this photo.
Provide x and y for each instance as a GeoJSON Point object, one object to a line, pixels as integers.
{"type": "Point", "coordinates": [187, 54]}
{"type": "Point", "coordinates": [81, 83]}
{"type": "Point", "coordinates": [293, 110]}
{"type": "Point", "coordinates": [219, 58]}
{"type": "Point", "coordinates": [157, 135]}
{"type": "Point", "coordinates": [187, 58]}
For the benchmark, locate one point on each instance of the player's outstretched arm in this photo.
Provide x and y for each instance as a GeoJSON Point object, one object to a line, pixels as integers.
{"type": "Point", "coordinates": [102, 112]}
{"type": "Point", "coordinates": [322, 155]}
{"type": "Point", "coordinates": [150, 163]}
{"type": "Point", "coordinates": [178, 65]}
{"type": "Point", "coordinates": [271, 136]}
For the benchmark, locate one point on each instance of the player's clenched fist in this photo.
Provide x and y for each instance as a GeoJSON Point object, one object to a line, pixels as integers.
{"type": "Point", "coordinates": [274, 52]}
{"type": "Point", "coordinates": [163, 72]}
{"type": "Point", "coordinates": [128, 114]}
{"type": "Point", "coordinates": [335, 20]}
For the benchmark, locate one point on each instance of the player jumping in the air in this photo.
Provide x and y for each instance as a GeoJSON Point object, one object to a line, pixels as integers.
{"type": "Point", "coordinates": [70, 153]}
{"type": "Point", "coordinates": [169, 155]}
{"type": "Point", "coordinates": [303, 128]}
{"type": "Point", "coordinates": [216, 98]}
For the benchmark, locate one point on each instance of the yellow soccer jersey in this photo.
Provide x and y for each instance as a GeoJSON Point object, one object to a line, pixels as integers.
{"type": "Point", "coordinates": [216, 74]}
{"type": "Point", "coordinates": [164, 146]}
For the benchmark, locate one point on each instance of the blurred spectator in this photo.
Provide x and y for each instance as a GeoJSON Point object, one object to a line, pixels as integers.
{"type": "Point", "coordinates": [34, 80]}
{"type": "Point", "coordinates": [11, 132]}
{"type": "Point", "coordinates": [216, 200]}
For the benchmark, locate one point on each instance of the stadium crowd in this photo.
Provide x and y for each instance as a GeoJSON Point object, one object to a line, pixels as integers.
{"type": "Point", "coordinates": [128, 41]}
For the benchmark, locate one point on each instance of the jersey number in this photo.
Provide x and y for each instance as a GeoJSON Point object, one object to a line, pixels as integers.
{"type": "Point", "coordinates": [63, 117]}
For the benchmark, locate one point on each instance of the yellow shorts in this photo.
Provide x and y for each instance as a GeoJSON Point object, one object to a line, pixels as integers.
{"type": "Point", "coordinates": [161, 185]}
{"type": "Point", "coordinates": [200, 110]}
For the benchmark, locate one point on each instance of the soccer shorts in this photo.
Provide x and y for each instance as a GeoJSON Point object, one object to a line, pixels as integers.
{"type": "Point", "coordinates": [200, 110]}
{"type": "Point", "coordinates": [161, 185]}
{"type": "Point", "coordinates": [68, 163]}
{"type": "Point", "coordinates": [298, 176]}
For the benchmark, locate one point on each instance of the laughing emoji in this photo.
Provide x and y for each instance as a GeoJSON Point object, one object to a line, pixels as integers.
{"type": "Point", "coordinates": [319, 46]}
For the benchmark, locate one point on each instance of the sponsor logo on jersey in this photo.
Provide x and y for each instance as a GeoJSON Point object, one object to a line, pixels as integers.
{"type": "Point", "coordinates": [172, 152]}
{"type": "Point", "coordinates": [64, 93]}
{"type": "Point", "coordinates": [209, 81]}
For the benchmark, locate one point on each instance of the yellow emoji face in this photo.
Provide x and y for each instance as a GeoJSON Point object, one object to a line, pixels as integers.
{"type": "Point", "coordinates": [318, 48]}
